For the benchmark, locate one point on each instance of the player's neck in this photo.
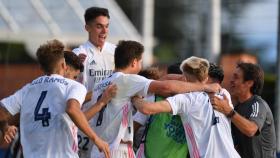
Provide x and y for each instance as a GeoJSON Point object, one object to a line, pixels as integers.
{"type": "Point", "coordinates": [96, 45]}
{"type": "Point", "coordinates": [57, 72]}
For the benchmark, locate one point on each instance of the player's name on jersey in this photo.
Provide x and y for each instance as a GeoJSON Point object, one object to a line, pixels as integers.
{"type": "Point", "coordinates": [50, 80]}
{"type": "Point", "coordinates": [98, 73]}
{"type": "Point", "coordinates": [98, 79]}
{"type": "Point", "coordinates": [102, 85]}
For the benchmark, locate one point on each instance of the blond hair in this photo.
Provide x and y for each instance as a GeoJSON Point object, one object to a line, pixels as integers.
{"type": "Point", "coordinates": [196, 66]}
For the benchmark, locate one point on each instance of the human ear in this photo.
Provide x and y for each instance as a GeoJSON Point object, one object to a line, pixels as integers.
{"type": "Point", "coordinates": [87, 28]}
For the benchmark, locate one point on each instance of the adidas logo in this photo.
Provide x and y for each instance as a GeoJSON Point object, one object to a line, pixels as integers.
{"type": "Point", "coordinates": [92, 62]}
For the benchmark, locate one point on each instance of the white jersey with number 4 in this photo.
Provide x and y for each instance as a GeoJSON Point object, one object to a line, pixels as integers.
{"type": "Point", "coordinates": [208, 132]}
{"type": "Point", "coordinates": [114, 123]}
{"type": "Point", "coordinates": [46, 130]}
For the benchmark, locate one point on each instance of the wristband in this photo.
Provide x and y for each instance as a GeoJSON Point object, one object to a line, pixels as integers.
{"type": "Point", "coordinates": [231, 113]}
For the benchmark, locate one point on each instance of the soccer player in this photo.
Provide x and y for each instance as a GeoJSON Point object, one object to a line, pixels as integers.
{"type": "Point", "coordinates": [114, 122]}
{"type": "Point", "coordinates": [49, 109]}
{"type": "Point", "coordinates": [164, 135]}
{"type": "Point", "coordinates": [74, 68]}
{"type": "Point", "coordinates": [73, 65]}
{"type": "Point", "coordinates": [97, 56]}
{"type": "Point", "coordinates": [207, 131]}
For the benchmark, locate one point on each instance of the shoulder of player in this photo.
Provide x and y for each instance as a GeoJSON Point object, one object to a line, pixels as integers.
{"type": "Point", "coordinates": [73, 82]}
{"type": "Point", "coordinates": [195, 96]}
{"type": "Point", "coordinates": [135, 77]}
{"type": "Point", "coordinates": [81, 49]}
{"type": "Point", "coordinates": [185, 95]}
{"type": "Point", "coordinates": [109, 47]}
{"type": "Point", "coordinates": [76, 86]}
{"type": "Point", "coordinates": [195, 93]}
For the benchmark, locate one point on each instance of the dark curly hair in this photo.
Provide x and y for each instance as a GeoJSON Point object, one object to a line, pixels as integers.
{"type": "Point", "coordinates": [174, 69]}
{"type": "Point", "coordinates": [73, 60]}
{"type": "Point", "coordinates": [216, 72]}
{"type": "Point", "coordinates": [126, 52]}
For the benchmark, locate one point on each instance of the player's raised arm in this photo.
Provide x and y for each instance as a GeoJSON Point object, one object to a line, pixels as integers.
{"type": "Point", "coordinates": [107, 95]}
{"type": "Point", "coordinates": [78, 117]}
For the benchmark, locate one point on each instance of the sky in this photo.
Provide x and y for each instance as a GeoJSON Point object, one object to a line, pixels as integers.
{"type": "Point", "coordinates": [257, 25]}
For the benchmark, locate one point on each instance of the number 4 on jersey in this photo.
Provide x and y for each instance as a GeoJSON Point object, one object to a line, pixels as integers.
{"type": "Point", "coordinates": [45, 115]}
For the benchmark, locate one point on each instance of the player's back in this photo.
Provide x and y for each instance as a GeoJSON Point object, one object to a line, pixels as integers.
{"type": "Point", "coordinates": [214, 137]}
{"type": "Point", "coordinates": [46, 129]}
{"type": "Point", "coordinates": [114, 123]}
{"type": "Point", "coordinates": [207, 130]}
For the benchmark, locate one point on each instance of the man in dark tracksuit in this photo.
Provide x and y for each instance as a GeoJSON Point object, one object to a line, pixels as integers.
{"type": "Point", "coordinates": [253, 125]}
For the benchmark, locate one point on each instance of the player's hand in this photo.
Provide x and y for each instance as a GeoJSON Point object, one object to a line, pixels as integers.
{"type": "Point", "coordinates": [10, 133]}
{"type": "Point", "coordinates": [220, 104]}
{"type": "Point", "coordinates": [109, 93]}
{"type": "Point", "coordinates": [214, 87]}
{"type": "Point", "coordinates": [136, 98]}
{"type": "Point", "coordinates": [82, 57]}
{"type": "Point", "coordinates": [103, 147]}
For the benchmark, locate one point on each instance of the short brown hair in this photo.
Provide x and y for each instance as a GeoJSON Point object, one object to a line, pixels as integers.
{"type": "Point", "coordinates": [49, 54]}
{"type": "Point", "coordinates": [93, 12]}
{"type": "Point", "coordinates": [196, 66]}
{"type": "Point", "coordinates": [73, 60]}
{"type": "Point", "coordinates": [150, 73]}
{"type": "Point", "coordinates": [216, 73]}
{"type": "Point", "coordinates": [126, 52]}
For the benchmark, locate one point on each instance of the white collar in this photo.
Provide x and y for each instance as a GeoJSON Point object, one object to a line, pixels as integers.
{"type": "Point", "coordinates": [93, 48]}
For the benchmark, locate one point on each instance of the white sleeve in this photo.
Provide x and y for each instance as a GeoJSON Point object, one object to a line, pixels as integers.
{"type": "Point", "coordinates": [79, 50]}
{"type": "Point", "coordinates": [77, 91]}
{"type": "Point", "coordinates": [180, 103]}
{"type": "Point", "coordinates": [137, 85]}
{"type": "Point", "coordinates": [13, 103]}
{"type": "Point", "coordinates": [140, 118]}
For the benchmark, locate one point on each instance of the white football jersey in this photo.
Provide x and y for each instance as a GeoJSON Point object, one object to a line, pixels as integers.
{"type": "Point", "coordinates": [97, 66]}
{"type": "Point", "coordinates": [114, 122]}
{"type": "Point", "coordinates": [45, 128]}
{"type": "Point", "coordinates": [208, 132]}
